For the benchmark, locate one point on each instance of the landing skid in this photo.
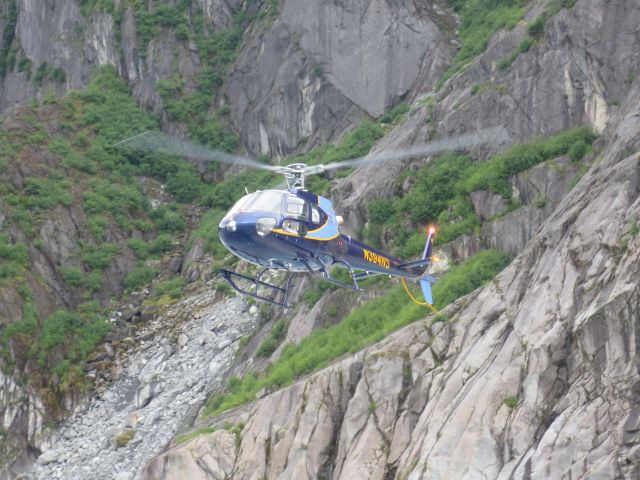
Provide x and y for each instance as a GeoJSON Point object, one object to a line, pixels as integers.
{"type": "Point", "coordinates": [231, 278]}
{"type": "Point", "coordinates": [255, 283]}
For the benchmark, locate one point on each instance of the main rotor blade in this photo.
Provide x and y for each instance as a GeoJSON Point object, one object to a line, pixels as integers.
{"type": "Point", "coordinates": [163, 143]}
{"type": "Point", "coordinates": [496, 134]}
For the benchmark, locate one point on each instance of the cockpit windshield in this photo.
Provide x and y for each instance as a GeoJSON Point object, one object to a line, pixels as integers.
{"type": "Point", "coordinates": [267, 201]}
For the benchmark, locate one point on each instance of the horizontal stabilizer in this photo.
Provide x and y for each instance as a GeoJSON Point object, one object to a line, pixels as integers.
{"type": "Point", "coordinates": [423, 262]}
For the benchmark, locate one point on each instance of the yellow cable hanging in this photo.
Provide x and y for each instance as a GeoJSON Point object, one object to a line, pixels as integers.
{"type": "Point", "coordinates": [414, 300]}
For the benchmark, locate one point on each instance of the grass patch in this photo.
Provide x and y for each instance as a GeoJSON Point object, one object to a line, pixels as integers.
{"type": "Point", "coordinates": [79, 332]}
{"type": "Point", "coordinates": [172, 287]}
{"type": "Point", "coordinates": [180, 439]}
{"type": "Point", "coordinates": [364, 326]}
{"type": "Point", "coordinates": [139, 277]}
{"type": "Point", "coordinates": [479, 20]}
{"type": "Point", "coordinates": [124, 437]}
{"type": "Point", "coordinates": [494, 173]}
{"type": "Point", "coordinates": [465, 278]}
{"type": "Point", "coordinates": [14, 257]}
{"type": "Point", "coordinates": [357, 143]}
{"type": "Point", "coordinates": [440, 192]}
{"type": "Point", "coordinates": [511, 401]}
{"type": "Point", "coordinates": [275, 338]}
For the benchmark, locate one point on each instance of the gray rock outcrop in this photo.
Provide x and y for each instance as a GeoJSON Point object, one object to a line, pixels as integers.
{"type": "Point", "coordinates": [159, 390]}
{"type": "Point", "coordinates": [323, 65]}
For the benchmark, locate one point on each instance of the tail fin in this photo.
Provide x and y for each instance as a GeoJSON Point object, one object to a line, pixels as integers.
{"type": "Point", "coordinates": [426, 280]}
{"type": "Point", "coordinates": [427, 247]}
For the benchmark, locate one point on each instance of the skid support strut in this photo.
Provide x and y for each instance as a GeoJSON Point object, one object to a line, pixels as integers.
{"type": "Point", "coordinates": [233, 277]}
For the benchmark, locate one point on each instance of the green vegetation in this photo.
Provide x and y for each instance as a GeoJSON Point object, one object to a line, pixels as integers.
{"type": "Point", "coordinates": [465, 278]}
{"type": "Point", "coordinates": [275, 338]}
{"type": "Point", "coordinates": [44, 72]}
{"type": "Point", "coordinates": [479, 20]}
{"type": "Point", "coordinates": [363, 326]}
{"type": "Point", "coordinates": [195, 434]}
{"type": "Point", "coordinates": [80, 169]}
{"type": "Point", "coordinates": [440, 193]}
{"type": "Point", "coordinates": [523, 47]}
{"type": "Point", "coordinates": [72, 276]}
{"type": "Point", "coordinates": [494, 173]}
{"type": "Point", "coordinates": [99, 256]}
{"type": "Point", "coordinates": [535, 31]}
{"type": "Point", "coordinates": [139, 276]}
{"type": "Point", "coordinates": [14, 257]}
{"type": "Point", "coordinates": [80, 331]}
{"type": "Point", "coordinates": [217, 50]}
{"type": "Point", "coordinates": [356, 143]}
{"type": "Point", "coordinates": [124, 437]}
{"type": "Point", "coordinates": [536, 28]}
{"type": "Point", "coordinates": [631, 233]}
{"type": "Point", "coordinates": [480, 87]}
{"type": "Point", "coordinates": [511, 401]}
{"type": "Point", "coordinates": [172, 287]}
{"type": "Point", "coordinates": [89, 6]}
{"type": "Point", "coordinates": [439, 317]}
{"type": "Point", "coordinates": [395, 115]}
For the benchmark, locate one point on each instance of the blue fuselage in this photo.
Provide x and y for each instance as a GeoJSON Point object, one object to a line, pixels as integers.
{"type": "Point", "coordinates": [318, 245]}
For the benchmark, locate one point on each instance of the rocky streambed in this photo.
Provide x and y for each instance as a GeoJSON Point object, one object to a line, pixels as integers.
{"type": "Point", "coordinates": [158, 391]}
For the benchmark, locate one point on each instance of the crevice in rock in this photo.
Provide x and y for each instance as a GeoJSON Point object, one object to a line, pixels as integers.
{"type": "Point", "coordinates": [267, 453]}
{"type": "Point", "coordinates": [328, 467]}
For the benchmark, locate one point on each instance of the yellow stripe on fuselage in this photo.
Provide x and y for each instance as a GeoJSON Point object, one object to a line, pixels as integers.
{"type": "Point", "coordinates": [282, 232]}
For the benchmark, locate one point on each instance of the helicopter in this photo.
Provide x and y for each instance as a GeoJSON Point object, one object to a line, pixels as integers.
{"type": "Point", "coordinates": [295, 231]}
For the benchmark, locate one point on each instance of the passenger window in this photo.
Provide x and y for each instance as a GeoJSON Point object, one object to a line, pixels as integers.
{"type": "Point", "coordinates": [298, 228]}
{"type": "Point", "coordinates": [315, 215]}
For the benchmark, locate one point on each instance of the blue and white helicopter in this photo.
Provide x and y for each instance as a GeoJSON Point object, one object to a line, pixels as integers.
{"type": "Point", "coordinates": [295, 231]}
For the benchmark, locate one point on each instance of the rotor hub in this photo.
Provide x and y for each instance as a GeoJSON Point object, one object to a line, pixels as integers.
{"type": "Point", "coordinates": [295, 173]}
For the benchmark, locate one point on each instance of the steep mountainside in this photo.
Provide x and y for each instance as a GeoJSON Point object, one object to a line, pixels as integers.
{"type": "Point", "coordinates": [534, 376]}
{"type": "Point", "coordinates": [108, 257]}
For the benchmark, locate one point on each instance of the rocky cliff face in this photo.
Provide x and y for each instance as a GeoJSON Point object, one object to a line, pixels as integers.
{"type": "Point", "coordinates": [322, 66]}
{"type": "Point", "coordinates": [534, 376]}
{"type": "Point", "coordinates": [290, 85]}
{"type": "Point", "coordinates": [564, 80]}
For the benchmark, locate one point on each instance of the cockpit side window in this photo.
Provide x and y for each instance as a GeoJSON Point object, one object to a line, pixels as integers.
{"type": "Point", "coordinates": [297, 208]}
